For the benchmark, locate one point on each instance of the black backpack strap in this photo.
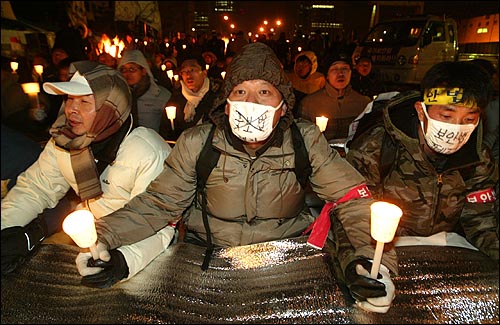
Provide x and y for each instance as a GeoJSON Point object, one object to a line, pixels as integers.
{"type": "Point", "coordinates": [303, 167]}
{"type": "Point", "coordinates": [206, 162]}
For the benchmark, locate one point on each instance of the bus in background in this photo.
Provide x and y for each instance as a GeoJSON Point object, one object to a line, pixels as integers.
{"type": "Point", "coordinates": [403, 49]}
{"type": "Point", "coordinates": [478, 38]}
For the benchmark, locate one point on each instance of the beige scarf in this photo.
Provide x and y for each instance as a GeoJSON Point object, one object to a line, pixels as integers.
{"type": "Point", "coordinates": [193, 99]}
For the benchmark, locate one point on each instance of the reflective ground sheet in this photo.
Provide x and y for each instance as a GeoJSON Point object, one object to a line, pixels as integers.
{"type": "Point", "coordinates": [276, 282]}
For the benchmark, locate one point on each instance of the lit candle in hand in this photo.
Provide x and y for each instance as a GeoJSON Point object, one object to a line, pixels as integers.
{"type": "Point", "coordinates": [171, 114]}
{"type": "Point", "coordinates": [32, 89]}
{"type": "Point", "coordinates": [384, 222]}
{"type": "Point", "coordinates": [14, 65]}
{"type": "Point", "coordinates": [39, 69]}
{"type": "Point", "coordinates": [79, 225]}
{"type": "Point", "coordinates": [321, 122]}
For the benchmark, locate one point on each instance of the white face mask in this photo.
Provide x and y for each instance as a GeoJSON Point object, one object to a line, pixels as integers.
{"type": "Point", "coordinates": [251, 122]}
{"type": "Point", "coordinates": [446, 138]}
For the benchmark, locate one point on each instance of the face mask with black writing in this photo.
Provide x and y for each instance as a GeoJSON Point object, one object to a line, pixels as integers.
{"type": "Point", "coordinates": [446, 138]}
{"type": "Point", "coordinates": [251, 122]}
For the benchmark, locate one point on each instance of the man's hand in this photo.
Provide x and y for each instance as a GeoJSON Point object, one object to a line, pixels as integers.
{"type": "Point", "coordinates": [19, 242]}
{"type": "Point", "coordinates": [370, 294]}
{"type": "Point", "coordinates": [110, 268]}
{"type": "Point", "coordinates": [379, 304]}
{"type": "Point", "coordinates": [83, 260]}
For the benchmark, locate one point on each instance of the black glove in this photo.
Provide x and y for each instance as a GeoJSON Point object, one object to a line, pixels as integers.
{"type": "Point", "coordinates": [114, 270]}
{"type": "Point", "coordinates": [362, 287]}
{"type": "Point", "coordinates": [19, 242]}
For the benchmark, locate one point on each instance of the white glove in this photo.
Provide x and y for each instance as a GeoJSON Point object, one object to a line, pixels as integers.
{"type": "Point", "coordinates": [83, 258]}
{"type": "Point", "coordinates": [379, 304]}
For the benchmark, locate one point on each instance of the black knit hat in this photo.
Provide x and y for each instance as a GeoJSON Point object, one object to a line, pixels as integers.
{"type": "Point", "coordinates": [339, 57]}
{"type": "Point", "coordinates": [256, 61]}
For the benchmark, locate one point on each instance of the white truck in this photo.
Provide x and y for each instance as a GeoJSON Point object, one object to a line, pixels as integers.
{"type": "Point", "coordinates": [403, 49]}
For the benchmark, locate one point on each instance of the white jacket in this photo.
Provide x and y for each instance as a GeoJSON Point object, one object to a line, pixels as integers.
{"type": "Point", "coordinates": [138, 161]}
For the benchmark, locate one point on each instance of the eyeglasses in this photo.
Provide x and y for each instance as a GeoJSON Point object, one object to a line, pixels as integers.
{"type": "Point", "coordinates": [189, 71]}
{"type": "Point", "coordinates": [343, 70]}
{"type": "Point", "coordinates": [130, 70]}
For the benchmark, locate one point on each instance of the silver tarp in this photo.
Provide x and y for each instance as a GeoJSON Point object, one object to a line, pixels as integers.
{"type": "Point", "coordinates": [277, 282]}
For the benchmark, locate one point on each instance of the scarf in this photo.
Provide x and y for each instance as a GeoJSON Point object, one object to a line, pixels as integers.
{"type": "Point", "coordinates": [137, 91]}
{"type": "Point", "coordinates": [112, 97]}
{"type": "Point", "coordinates": [193, 99]}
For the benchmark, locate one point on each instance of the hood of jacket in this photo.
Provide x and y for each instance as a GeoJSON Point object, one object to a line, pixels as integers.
{"type": "Point", "coordinates": [312, 57]}
{"type": "Point", "coordinates": [136, 56]}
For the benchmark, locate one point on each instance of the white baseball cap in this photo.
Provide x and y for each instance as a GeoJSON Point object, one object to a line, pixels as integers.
{"type": "Point", "coordinates": [76, 86]}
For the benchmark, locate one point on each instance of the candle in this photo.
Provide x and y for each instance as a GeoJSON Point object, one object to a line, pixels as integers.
{"type": "Point", "coordinates": [384, 222]}
{"type": "Point", "coordinates": [176, 77]}
{"type": "Point", "coordinates": [14, 66]}
{"type": "Point", "coordinates": [170, 74]}
{"type": "Point", "coordinates": [39, 69]}
{"type": "Point", "coordinates": [223, 74]}
{"type": "Point", "coordinates": [32, 89]}
{"type": "Point", "coordinates": [163, 67]}
{"type": "Point", "coordinates": [79, 225]}
{"type": "Point", "coordinates": [321, 122]}
{"type": "Point", "coordinates": [171, 114]}
{"type": "Point", "coordinates": [207, 66]}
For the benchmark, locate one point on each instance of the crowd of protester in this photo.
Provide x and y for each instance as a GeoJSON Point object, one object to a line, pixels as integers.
{"type": "Point", "coordinates": [165, 55]}
{"type": "Point", "coordinates": [210, 82]}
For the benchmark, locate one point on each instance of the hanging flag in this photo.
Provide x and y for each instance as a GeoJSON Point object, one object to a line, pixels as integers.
{"type": "Point", "coordinates": [77, 13]}
{"type": "Point", "coordinates": [126, 10]}
{"type": "Point", "coordinates": [144, 11]}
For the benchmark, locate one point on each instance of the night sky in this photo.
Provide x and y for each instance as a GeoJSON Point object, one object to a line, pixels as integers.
{"type": "Point", "coordinates": [48, 13]}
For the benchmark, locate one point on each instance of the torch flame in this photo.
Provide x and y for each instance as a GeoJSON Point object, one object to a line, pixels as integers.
{"type": "Point", "coordinates": [112, 47]}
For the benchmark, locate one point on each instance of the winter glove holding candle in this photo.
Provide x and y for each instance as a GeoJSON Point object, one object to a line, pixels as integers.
{"type": "Point", "coordinates": [370, 294]}
{"type": "Point", "coordinates": [110, 268]}
{"type": "Point", "coordinates": [18, 242]}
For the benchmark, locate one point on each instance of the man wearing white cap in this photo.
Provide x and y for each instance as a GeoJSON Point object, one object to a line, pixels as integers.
{"type": "Point", "coordinates": [94, 151]}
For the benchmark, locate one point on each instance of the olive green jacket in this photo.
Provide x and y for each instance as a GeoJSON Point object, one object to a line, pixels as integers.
{"type": "Point", "coordinates": [432, 196]}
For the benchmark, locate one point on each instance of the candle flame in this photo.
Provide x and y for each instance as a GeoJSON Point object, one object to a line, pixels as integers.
{"type": "Point", "coordinates": [79, 225]}
{"type": "Point", "coordinates": [384, 221]}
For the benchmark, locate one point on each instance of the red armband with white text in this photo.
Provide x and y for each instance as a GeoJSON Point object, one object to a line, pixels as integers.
{"type": "Point", "coordinates": [483, 196]}
{"type": "Point", "coordinates": [321, 225]}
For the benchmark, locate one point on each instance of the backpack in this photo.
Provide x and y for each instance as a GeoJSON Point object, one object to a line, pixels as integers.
{"type": "Point", "coordinates": [373, 117]}
{"type": "Point", "coordinates": [208, 159]}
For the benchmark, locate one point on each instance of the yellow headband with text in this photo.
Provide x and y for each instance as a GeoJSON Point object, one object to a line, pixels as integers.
{"type": "Point", "coordinates": [443, 96]}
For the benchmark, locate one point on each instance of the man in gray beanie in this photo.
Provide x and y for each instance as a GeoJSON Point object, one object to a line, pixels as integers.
{"type": "Point", "coordinates": [253, 194]}
{"type": "Point", "coordinates": [94, 151]}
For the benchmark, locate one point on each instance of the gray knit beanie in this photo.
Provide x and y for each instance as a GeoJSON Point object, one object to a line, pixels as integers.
{"type": "Point", "coordinates": [256, 61]}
